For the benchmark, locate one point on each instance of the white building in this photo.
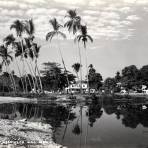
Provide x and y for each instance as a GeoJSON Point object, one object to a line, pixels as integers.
{"type": "Point", "coordinates": [76, 87]}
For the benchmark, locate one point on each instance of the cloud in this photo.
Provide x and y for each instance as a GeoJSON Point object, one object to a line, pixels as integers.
{"type": "Point", "coordinates": [96, 2]}
{"type": "Point", "coordinates": [125, 9]}
{"type": "Point", "coordinates": [34, 1]}
{"type": "Point", "coordinates": [73, 2]}
{"type": "Point", "coordinates": [91, 12]}
{"type": "Point", "coordinates": [133, 18]}
{"type": "Point", "coordinates": [110, 15]}
{"type": "Point", "coordinates": [110, 18]}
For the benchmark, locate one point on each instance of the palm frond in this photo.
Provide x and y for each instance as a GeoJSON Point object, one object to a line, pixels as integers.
{"type": "Point", "coordinates": [10, 57]}
{"type": "Point", "coordinates": [89, 37]}
{"type": "Point", "coordinates": [9, 39]}
{"type": "Point", "coordinates": [50, 35]}
{"type": "Point", "coordinates": [61, 34]}
{"type": "Point", "coordinates": [29, 27]}
{"type": "Point", "coordinates": [54, 23]}
{"type": "Point", "coordinates": [83, 29]}
{"type": "Point", "coordinates": [72, 13]}
{"type": "Point", "coordinates": [18, 26]}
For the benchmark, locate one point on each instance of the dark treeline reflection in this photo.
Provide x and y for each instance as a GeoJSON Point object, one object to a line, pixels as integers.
{"type": "Point", "coordinates": [94, 111]}
{"type": "Point", "coordinates": [130, 113]}
{"type": "Point", "coordinates": [53, 114]}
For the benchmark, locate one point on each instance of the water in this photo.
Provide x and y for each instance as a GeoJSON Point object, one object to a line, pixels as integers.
{"type": "Point", "coordinates": [96, 124]}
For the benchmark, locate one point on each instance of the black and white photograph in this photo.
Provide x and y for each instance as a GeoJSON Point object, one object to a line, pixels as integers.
{"type": "Point", "coordinates": [73, 73]}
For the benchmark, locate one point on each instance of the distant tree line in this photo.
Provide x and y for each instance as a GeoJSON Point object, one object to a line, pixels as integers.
{"type": "Point", "coordinates": [130, 78]}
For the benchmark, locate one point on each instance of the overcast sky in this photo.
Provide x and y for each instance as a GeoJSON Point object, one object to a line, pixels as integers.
{"type": "Point", "coordinates": [119, 29]}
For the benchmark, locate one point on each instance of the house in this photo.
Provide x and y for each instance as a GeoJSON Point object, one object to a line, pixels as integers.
{"type": "Point", "coordinates": [144, 89]}
{"type": "Point", "coordinates": [76, 87]}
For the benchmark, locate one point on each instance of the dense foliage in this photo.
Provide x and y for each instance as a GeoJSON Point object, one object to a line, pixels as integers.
{"type": "Point", "coordinates": [54, 77]}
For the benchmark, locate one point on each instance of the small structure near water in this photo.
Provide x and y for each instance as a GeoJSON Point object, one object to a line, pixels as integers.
{"type": "Point", "coordinates": [76, 87]}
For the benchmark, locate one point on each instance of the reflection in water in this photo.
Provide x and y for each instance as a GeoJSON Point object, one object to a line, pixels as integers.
{"type": "Point", "coordinates": [94, 112]}
{"type": "Point", "coordinates": [98, 123]}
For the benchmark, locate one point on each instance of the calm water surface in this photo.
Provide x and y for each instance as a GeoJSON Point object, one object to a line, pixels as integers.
{"type": "Point", "coordinates": [97, 124]}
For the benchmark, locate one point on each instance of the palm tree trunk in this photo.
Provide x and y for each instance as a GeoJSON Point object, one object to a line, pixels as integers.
{"type": "Point", "coordinates": [39, 76]}
{"type": "Point", "coordinates": [21, 41]}
{"type": "Point", "coordinates": [29, 82]}
{"type": "Point", "coordinates": [36, 81]}
{"type": "Point", "coordinates": [81, 125]}
{"type": "Point", "coordinates": [80, 68]}
{"type": "Point", "coordinates": [86, 69]}
{"type": "Point", "coordinates": [23, 62]}
{"type": "Point", "coordinates": [36, 68]}
{"type": "Point", "coordinates": [25, 82]}
{"type": "Point", "coordinates": [60, 52]}
{"type": "Point", "coordinates": [87, 130]}
{"type": "Point", "coordinates": [34, 86]}
{"type": "Point", "coordinates": [20, 74]}
{"type": "Point", "coordinates": [66, 125]}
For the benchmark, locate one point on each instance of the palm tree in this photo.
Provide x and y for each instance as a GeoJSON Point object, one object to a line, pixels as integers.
{"type": "Point", "coordinates": [76, 67]}
{"type": "Point", "coordinates": [57, 33]}
{"type": "Point", "coordinates": [19, 28]}
{"type": "Point", "coordinates": [84, 37]}
{"type": "Point", "coordinates": [10, 40]}
{"type": "Point", "coordinates": [30, 29]}
{"type": "Point", "coordinates": [27, 53]}
{"type": "Point", "coordinates": [74, 25]}
{"type": "Point", "coordinates": [6, 59]}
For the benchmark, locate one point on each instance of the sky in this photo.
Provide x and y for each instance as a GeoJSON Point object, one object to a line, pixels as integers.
{"type": "Point", "coordinates": [119, 29]}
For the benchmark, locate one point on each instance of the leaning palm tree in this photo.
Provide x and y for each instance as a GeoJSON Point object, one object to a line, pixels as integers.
{"type": "Point", "coordinates": [10, 41]}
{"type": "Point", "coordinates": [18, 26]}
{"type": "Point", "coordinates": [84, 37]}
{"type": "Point", "coordinates": [6, 59]}
{"type": "Point", "coordinates": [18, 52]}
{"type": "Point", "coordinates": [57, 33]}
{"type": "Point", "coordinates": [30, 29]}
{"type": "Point", "coordinates": [76, 67]}
{"type": "Point", "coordinates": [74, 25]}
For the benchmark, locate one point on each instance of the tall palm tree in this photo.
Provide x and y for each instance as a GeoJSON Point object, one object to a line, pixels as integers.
{"type": "Point", "coordinates": [6, 59]}
{"type": "Point", "coordinates": [74, 25]}
{"type": "Point", "coordinates": [84, 37]}
{"type": "Point", "coordinates": [27, 53]}
{"type": "Point", "coordinates": [10, 41]}
{"type": "Point", "coordinates": [57, 33]}
{"type": "Point", "coordinates": [30, 29]}
{"type": "Point", "coordinates": [18, 26]}
{"type": "Point", "coordinates": [76, 67]}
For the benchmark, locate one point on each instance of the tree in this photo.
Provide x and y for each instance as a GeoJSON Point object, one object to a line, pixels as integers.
{"type": "Point", "coordinates": [19, 27]}
{"type": "Point", "coordinates": [33, 47]}
{"type": "Point", "coordinates": [143, 75]}
{"type": "Point", "coordinates": [6, 59]}
{"type": "Point", "coordinates": [57, 33]}
{"type": "Point", "coordinates": [118, 77]}
{"type": "Point", "coordinates": [84, 37]}
{"type": "Point", "coordinates": [54, 78]}
{"type": "Point", "coordinates": [74, 24]}
{"type": "Point", "coordinates": [109, 84]}
{"type": "Point", "coordinates": [129, 76]}
{"type": "Point", "coordinates": [76, 67]}
{"type": "Point", "coordinates": [94, 79]}
{"type": "Point", "coordinates": [10, 41]}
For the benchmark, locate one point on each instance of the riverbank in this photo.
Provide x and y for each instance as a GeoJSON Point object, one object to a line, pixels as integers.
{"type": "Point", "coordinates": [5, 99]}
{"type": "Point", "coordinates": [24, 133]}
